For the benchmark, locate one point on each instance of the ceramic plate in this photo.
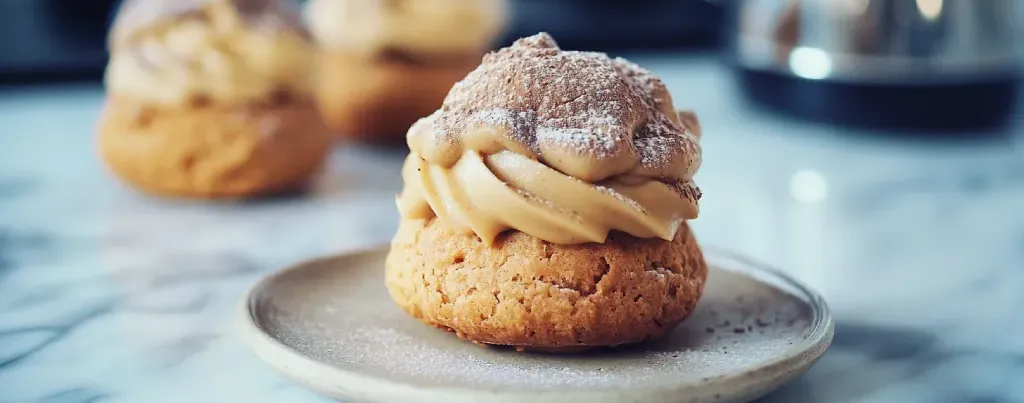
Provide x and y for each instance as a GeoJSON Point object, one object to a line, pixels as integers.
{"type": "Point", "coordinates": [330, 325]}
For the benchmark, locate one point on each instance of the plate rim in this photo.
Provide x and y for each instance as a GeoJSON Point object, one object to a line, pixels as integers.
{"type": "Point", "coordinates": [303, 370]}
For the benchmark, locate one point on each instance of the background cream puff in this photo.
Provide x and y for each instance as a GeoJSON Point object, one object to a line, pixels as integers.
{"type": "Point", "coordinates": [211, 98]}
{"type": "Point", "coordinates": [386, 63]}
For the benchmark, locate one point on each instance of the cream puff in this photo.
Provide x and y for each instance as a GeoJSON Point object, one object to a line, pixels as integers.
{"type": "Point", "coordinates": [545, 205]}
{"type": "Point", "coordinates": [211, 99]}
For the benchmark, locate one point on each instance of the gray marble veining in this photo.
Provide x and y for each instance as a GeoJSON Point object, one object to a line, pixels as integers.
{"type": "Point", "coordinates": [110, 296]}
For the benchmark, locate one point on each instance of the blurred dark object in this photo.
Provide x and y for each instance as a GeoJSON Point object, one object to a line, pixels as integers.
{"type": "Point", "coordinates": [53, 40]}
{"type": "Point", "coordinates": [903, 64]}
{"type": "Point", "coordinates": [56, 40]}
{"type": "Point", "coordinates": [617, 25]}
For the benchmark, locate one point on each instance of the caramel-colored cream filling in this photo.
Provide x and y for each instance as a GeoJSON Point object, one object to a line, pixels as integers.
{"type": "Point", "coordinates": [564, 146]}
{"type": "Point", "coordinates": [489, 193]}
{"type": "Point", "coordinates": [214, 58]}
{"type": "Point", "coordinates": [416, 26]}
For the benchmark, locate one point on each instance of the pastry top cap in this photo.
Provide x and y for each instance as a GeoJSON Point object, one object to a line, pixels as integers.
{"type": "Point", "coordinates": [584, 114]}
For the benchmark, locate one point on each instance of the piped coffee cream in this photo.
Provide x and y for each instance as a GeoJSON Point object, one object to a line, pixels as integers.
{"type": "Point", "coordinates": [177, 52]}
{"type": "Point", "coordinates": [564, 146]}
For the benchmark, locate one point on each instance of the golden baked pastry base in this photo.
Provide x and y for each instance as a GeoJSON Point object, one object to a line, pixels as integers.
{"type": "Point", "coordinates": [213, 151]}
{"type": "Point", "coordinates": [532, 294]}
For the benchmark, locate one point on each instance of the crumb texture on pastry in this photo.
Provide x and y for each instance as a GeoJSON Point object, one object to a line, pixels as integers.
{"type": "Point", "coordinates": [523, 291]}
{"type": "Point", "coordinates": [213, 151]}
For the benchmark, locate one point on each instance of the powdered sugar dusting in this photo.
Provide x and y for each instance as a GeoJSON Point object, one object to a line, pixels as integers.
{"type": "Point", "coordinates": [581, 112]}
{"type": "Point", "coordinates": [630, 202]}
{"type": "Point", "coordinates": [520, 124]}
{"type": "Point", "coordinates": [655, 150]}
{"type": "Point", "coordinates": [651, 86]}
{"type": "Point", "coordinates": [582, 140]}
{"type": "Point", "coordinates": [502, 117]}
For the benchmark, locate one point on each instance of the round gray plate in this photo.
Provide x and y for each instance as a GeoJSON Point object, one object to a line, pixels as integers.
{"type": "Point", "coordinates": [330, 325]}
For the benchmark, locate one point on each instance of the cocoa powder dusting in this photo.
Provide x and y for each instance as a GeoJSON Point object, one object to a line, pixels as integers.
{"type": "Point", "coordinates": [582, 113]}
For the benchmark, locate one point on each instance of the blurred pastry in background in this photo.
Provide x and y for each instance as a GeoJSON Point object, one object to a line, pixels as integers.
{"type": "Point", "coordinates": [211, 98]}
{"type": "Point", "coordinates": [386, 63]}
{"type": "Point", "coordinates": [546, 202]}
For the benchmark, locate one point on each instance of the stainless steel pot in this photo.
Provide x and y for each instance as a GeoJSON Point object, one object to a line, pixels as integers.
{"type": "Point", "coordinates": [888, 42]}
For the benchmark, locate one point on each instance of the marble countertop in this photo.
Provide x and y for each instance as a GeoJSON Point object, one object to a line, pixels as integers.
{"type": "Point", "coordinates": [110, 296]}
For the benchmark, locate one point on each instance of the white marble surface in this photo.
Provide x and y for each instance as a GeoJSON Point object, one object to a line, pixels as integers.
{"type": "Point", "coordinates": [109, 296]}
